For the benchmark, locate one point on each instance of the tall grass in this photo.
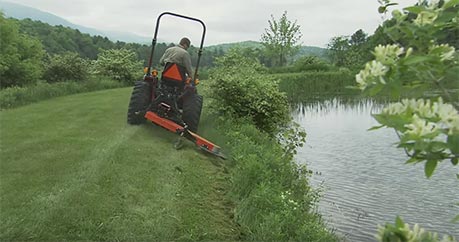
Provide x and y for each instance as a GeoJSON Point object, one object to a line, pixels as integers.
{"type": "Point", "coordinates": [272, 196]}
{"type": "Point", "coordinates": [307, 84]}
{"type": "Point", "coordinates": [19, 96]}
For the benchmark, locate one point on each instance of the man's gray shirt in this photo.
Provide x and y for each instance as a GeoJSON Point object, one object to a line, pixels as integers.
{"type": "Point", "coordinates": [180, 56]}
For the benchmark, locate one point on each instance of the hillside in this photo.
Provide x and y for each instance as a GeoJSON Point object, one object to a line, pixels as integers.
{"type": "Point", "coordinates": [72, 169]}
{"type": "Point", "coordinates": [19, 11]}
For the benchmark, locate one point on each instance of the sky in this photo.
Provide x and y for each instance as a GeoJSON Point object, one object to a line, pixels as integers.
{"type": "Point", "coordinates": [226, 21]}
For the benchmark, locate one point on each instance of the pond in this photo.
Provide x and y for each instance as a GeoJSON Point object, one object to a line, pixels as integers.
{"type": "Point", "coordinates": [362, 175]}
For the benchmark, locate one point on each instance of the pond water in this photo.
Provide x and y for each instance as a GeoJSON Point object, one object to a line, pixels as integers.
{"type": "Point", "coordinates": [362, 175]}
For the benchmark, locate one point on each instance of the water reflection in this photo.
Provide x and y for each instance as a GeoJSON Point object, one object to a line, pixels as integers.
{"type": "Point", "coordinates": [362, 174]}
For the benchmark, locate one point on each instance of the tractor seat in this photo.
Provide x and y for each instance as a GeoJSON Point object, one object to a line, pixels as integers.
{"type": "Point", "coordinates": [174, 74]}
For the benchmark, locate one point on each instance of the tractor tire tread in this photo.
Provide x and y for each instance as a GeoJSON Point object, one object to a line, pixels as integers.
{"type": "Point", "coordinates": [139, 101]}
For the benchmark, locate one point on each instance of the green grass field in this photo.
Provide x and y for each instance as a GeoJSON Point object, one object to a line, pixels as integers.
{"type": "Point", "coordinates": [71, 168]}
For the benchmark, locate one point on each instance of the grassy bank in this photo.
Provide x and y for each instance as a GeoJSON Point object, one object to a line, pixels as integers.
{"type": "Point", "coordinates": [72, 169]}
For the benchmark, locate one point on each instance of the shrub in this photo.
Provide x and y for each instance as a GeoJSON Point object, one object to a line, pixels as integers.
{"type": "Point", "coordinates": [121, 65]}
{"type": "Point", "coordinates": [240, 89]}
{"type": "Point", "coordinates": [310, 63]}
{"type": "Point", "coordinates": [66, 67]}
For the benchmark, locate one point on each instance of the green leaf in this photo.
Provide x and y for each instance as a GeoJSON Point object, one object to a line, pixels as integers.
{"type": "Point", "coordinates": [450, 4]}
{"type": "Point", "coordinates": [430, 167]}
{"type": "Point", "coordinates": [456, 219]}
{"type": "Point", "coordinates": [414, 9]}
{"type": "Point", "coordinates": [399, 222]}
{"type": "Point", "coordinates": [375, 89]}
{"type": "Point", "coordinates": [415, 59]}
{"type": "Point", "coordinates": [375, 127]}
{"type": "Point", "coordinates": [453, 144]}
{"type": "Point", "coordinates": [412, 160]}
{"type": "Point", "coordinates": [454, 161]}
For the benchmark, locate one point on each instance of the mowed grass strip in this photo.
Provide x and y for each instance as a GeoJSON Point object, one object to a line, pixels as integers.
{"type": "Point", "coordinates": [72, 169]}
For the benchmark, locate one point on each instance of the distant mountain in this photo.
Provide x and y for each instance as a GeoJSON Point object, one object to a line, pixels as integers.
{"type": "Point", "coordinates": [244, 44]}
{"type": "Point", "coordinates": [18, 11]}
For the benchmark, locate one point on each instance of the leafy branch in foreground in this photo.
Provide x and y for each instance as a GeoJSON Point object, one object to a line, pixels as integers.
{"type": "Point", "coordinates": [419, 63]}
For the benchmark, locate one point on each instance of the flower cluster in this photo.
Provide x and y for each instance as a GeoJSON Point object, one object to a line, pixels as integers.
{"type": "Point", "coordinates": [372, 74]}
{"type": "Point", "coordinates": [444, 51]}
{"type": "Point", "coordinates": [427, 117]}
{"type": "Point", "coordinates": [426, 18]}
{"type": "Point", "coordinates": [388, 54]}
{"type": "Point", "coordinates": [421, 127]}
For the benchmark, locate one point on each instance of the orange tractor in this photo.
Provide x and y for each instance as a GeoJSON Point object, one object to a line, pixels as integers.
{"type": "Point", "coordinates": [172, 100]}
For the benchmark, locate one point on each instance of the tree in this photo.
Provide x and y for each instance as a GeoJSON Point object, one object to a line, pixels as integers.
{"type": "Point", "coordinates": [281, 38]}
{"type": "Point", "coordinates": [349, 51]}
{"type": "Point", "coordinates": [338, 50]}
{"type": "Point", "coordinates": [20, 56]}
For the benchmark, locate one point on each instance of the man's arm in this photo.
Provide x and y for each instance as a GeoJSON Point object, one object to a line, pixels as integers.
{"type": "Point", "coordinates": [187, 62]}
{"type": "Point", "coordinates": [161, 61]}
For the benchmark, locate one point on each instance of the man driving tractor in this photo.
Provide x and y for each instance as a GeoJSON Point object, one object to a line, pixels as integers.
{"type": "Point", "coordinates": [179, 55]}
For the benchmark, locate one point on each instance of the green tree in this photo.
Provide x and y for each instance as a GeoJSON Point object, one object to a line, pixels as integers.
{"type": "Point", "coordinates": [349, 51]}
{"type": "Point", "coordinates": [122, 65]}
{"type": "Point", "coordinates": [20, 56]}
{"type": "Point", "coordinates": [281, 38]}
{"type": "Point", "coordinates": [338, 49]}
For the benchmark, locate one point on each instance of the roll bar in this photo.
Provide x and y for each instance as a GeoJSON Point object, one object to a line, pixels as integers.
{"type": "Point", "coordinates": [156, 34]}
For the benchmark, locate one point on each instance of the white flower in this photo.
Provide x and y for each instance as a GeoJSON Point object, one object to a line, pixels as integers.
{"type": "Point", "coordinates": [424, 108]}
{"type": "Point", "coordinates": [388, 54]}
{"type": "Point", "coordinates": [420, 127]}
{"type": "Point", "coordinates": [449, 116]}
{"type": "Point", "coordinates": [409, 52]}
{"type": "Point", "coordinates": [445, 51]}
{"type": "Point", "coordinates": [374, 71]}
{"type": "Point", "coordinates": [394, 109]}
{"type": "Point", "coordinates": [426, 18]}
{"type": "Point", "coordinates": [433, 4]}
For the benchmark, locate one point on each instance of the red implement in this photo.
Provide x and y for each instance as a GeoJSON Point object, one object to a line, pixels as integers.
{"type": "Point", "coordinates": [175, 128]}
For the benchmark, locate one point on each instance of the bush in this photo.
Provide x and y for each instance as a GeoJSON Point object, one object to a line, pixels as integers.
{"type": "Point", "coordinates": [121, 65]}
{"type": "Point", "coordinates": [66, 67]}
{"type": "Point", "coordinates": [241, 90]}
{"type": "Point", "coordinates": [310, 63]}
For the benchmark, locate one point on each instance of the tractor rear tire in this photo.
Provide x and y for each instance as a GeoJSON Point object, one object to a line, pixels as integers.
{"type": "Point", "coordinates": [192, 106]}
{"type": "Point", "coordinates": [140, 99]}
